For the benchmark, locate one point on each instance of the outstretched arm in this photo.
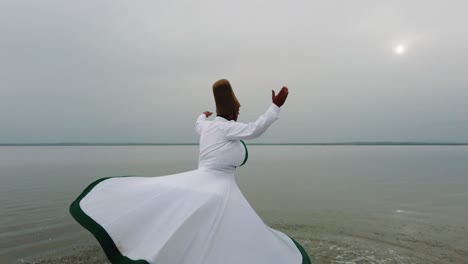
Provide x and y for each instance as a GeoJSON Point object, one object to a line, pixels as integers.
{"type": "Point", "coordinates": [239, 131]}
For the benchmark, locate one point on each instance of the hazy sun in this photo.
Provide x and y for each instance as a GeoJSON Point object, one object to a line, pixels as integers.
{"type": "Point", "coordinates": [399, 49]}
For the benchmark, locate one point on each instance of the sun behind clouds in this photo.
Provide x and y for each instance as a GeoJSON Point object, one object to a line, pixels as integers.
{"type": "Point", "coordinates": [399, 49]}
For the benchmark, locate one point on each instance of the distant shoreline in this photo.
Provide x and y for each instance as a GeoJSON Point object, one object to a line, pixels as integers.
{"type": "Point", "coordinates": [260, 144]}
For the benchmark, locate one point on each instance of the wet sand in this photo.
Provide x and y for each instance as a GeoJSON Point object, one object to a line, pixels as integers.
{"type": "Point", "coordinates": [343, 244]}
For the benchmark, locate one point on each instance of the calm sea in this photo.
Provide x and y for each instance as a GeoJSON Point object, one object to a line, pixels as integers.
{"type": "Point", "coordinates": [345, 204]}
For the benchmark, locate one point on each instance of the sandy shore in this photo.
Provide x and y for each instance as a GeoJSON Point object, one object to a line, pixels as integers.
{"type": "Point", "coordinates": [81, 255]}
{"type": "Point", "coordinates": [324, 245]}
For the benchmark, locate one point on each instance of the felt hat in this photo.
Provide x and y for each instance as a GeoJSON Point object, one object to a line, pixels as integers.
{"type": "Point", "coordinates": [225, 99]}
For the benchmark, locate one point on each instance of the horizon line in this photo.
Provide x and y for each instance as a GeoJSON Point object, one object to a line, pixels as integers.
{"type": "Point", "coordinates": [374, 143]}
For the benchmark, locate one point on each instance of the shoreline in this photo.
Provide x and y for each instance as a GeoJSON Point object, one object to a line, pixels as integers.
{"type": "Point", "coordinates": [324, 245]}
{"type": "Point", "coordinates": [253, 144]}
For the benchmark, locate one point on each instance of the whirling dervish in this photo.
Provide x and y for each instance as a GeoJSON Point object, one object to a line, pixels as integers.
{"type": "Point", "coordinates": [193, 217]}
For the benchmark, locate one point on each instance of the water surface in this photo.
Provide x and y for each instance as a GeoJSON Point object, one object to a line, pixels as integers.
{"type": "Point", "coordinates": [345, 204]}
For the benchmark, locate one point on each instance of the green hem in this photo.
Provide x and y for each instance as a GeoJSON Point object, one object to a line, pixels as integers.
{"type": "Point", "coordinates": [246, 153]}
{"type": "Point", "coordinates": [106, 242]}
{"type": "Point", "coordinates": [305, 256]}
{"type": "Point", "coordinates": [104, 239]}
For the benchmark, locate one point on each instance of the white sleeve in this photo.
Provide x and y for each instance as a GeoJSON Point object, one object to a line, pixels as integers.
{"type": "Point", "coordinates": [198, 124]}
{"type": "Point", "coordinates": [238, 131]}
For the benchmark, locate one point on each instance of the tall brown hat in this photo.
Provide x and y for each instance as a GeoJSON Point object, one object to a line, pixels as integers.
{"type": "Point", "coordinates": [226, 101]}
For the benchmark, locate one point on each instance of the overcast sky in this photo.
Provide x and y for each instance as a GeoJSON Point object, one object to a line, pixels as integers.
{"type": "Point", "coordinates": [141, 71]}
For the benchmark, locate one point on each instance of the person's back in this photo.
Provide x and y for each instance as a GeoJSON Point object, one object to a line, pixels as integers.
{"type": "Point", "coordinates": [217, 152]}
{"type": "Point", "coordinates": [192, 217]}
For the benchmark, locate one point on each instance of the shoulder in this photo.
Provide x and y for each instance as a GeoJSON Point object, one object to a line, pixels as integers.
{"type": "Point", "coordinates": [233, 126]}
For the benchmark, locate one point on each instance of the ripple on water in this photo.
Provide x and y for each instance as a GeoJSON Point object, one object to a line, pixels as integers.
{"type": "Point", "coordinates": [357, 251]}
{"type": "Point", "coordinates": [345, 247]}
{"type": "Point", "coordinates": [326, 246]}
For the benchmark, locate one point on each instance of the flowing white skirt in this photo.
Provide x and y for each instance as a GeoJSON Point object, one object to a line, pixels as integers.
{"type": "Point", "coordinates": [195, 217]}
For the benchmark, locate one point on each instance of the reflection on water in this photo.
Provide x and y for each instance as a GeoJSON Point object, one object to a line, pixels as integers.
{"type": "Point", "coordinates": [346, 204]}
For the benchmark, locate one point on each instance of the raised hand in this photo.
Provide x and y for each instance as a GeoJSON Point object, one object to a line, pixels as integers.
{"type": "Point", "coordinates": [207, 113]}
{"type": "Point", "coordinates": [281, 97]}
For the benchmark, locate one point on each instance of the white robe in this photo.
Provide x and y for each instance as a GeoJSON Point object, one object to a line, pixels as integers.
{"type": "Point", "coordinates": [194, 217]}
